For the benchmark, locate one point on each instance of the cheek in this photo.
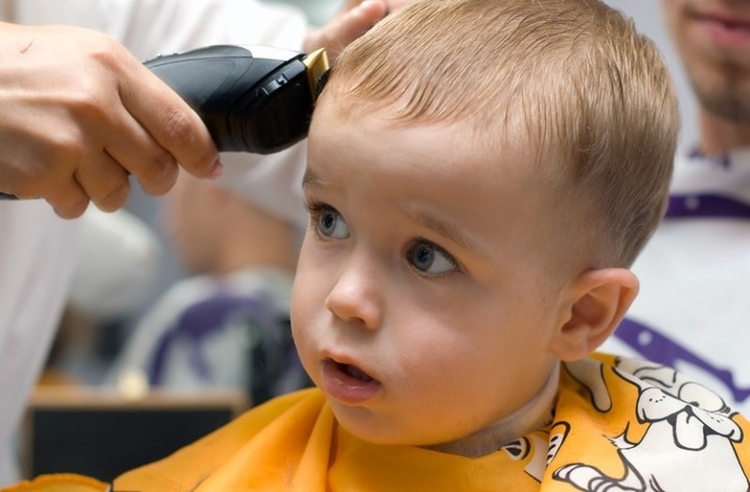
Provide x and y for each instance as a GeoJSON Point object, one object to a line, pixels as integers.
{"type": "Point", "coordinates": [300, 316]}
{"type": "Point", "coordinates": [455, 369]}
{"type": "Point", "coordinates": [671, 10]}
{"type": "Point", "coordinates": [301, 294]}
{"type": "Point", "coordinates": [308, 294]}
{"type": "Point", "coordinates": [441, 346]}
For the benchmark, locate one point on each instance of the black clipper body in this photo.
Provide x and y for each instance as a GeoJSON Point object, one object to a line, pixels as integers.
{"type": "Point", "coordinates": [252, 99]}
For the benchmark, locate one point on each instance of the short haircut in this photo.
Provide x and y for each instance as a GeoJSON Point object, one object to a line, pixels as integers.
{"type": "Point", "coordinates": [571, 80]}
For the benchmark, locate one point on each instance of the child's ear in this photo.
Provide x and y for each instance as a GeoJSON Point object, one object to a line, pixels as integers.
{"type": "Point", "coordinates": [599, 300]}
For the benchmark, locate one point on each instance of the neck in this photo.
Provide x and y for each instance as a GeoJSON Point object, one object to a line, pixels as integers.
{"type": "Point", "coordinates": [533, 415]}
{"type": "Point", "coordinates": [720, 136]}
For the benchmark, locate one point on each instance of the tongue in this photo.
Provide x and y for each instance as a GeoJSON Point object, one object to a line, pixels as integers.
{"type": "Point", "coordinates": [356, 373]}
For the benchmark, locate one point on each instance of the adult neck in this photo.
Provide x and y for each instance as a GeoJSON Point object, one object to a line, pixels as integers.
{"type": "Point", "coordinates": [720, 136]}
{"type": "Point", "coordinates": [533, 415]}
{"type": "Point", "coordinates": [253, 237]}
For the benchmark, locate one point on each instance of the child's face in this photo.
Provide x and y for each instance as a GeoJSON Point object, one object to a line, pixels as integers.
{"type": "Point", "coordinates": [424, 304]}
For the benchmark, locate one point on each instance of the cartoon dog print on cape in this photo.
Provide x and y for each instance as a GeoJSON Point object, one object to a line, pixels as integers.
{"type": "Point", "coordinates": [689, 431]}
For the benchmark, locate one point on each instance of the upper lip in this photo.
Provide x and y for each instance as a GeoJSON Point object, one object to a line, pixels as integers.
{"type": "Point", "coordinates": [349, 361]}
{"type": "Point", "coordinates": [720, 15]}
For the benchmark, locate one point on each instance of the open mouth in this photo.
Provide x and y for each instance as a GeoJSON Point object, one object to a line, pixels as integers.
{"type": "Point", "coordinates": [353, 372]}
{"type": "Point", "coordinates": [348, 383]}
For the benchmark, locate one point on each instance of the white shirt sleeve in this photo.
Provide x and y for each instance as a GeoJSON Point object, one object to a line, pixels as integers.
{"type": "Point", "coordinates": [36, 262]}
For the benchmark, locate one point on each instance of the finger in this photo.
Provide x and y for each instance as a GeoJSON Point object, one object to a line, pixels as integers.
{"type": "Point", "coordinates": [105, 182]}
{"type": "Point", "coordinates": [347, 26]}
{"type": "Point", "coordinates": [349, 5]}
{"type": "Point", "coordinates": [135, 150]}
{"type": "Point", "coordinates": [67, 199]}
{"type": "Point", "coordinates": [360, 19]}
{"type": "Point", "coordinates": [170, 122]}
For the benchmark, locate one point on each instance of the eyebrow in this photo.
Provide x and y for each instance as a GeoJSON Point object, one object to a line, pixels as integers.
{"type": "Point", "coordinates": [312, 180]}
{"type": "Point", "coordinates": [444, 229]}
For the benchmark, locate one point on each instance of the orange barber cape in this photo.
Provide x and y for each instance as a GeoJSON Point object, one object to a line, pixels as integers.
{"type": "Point", "coordinates": [62, 482]}
{"type": "Point", "coordinates": [629, 424]}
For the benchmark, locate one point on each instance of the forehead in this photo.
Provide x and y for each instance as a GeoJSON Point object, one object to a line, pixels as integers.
{"type": "Point", "coordinates": [437, 161]}
{"type": "Point", "coordinates": [363, 133]}
{"type": "Point", "coordinates": [355, 122]}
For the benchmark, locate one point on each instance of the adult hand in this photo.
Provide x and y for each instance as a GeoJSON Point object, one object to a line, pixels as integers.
{"type": "Point", "coordinates": [353, 19]}
{"type": "Point", "coordinates": [79, 113]}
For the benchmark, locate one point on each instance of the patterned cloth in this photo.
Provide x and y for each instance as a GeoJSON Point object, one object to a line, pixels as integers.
{"type": "Point", "coordinates": [219, 332]}
{"type": "Point", "coordinates": [620, 425]}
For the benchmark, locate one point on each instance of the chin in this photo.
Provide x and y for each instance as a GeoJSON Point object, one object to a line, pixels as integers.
{"type": "Point", "coordinates": [367, 426]}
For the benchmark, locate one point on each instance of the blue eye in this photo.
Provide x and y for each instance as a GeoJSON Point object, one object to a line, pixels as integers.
{"type": "Point", "coordinates": [331, 224]}
{"type": "Point", "coordinates": [430, 258]}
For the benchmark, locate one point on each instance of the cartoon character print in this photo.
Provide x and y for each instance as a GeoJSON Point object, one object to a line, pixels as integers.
{"type": "Point", "coordinates": [538, 449]}
{"type": "Point", "coordinates": [686, 424]}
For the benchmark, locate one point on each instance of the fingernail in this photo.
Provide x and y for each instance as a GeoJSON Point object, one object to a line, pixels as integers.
{"type": "Point", "coordinates": [216, 170]}
{"type": "Point", "coordinates": [364, 5]}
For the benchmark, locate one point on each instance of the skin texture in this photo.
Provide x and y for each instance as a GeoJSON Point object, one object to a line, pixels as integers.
{"type": "Point", "coordinates": [80, 113]}
{"type": "Point", "coordinates": [713, 39]}
{"type": "Point", "coordinates": [420, 270]}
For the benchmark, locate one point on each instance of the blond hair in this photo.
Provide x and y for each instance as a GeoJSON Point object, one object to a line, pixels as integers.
{"type": "Point", "coordinates": [572, 79]}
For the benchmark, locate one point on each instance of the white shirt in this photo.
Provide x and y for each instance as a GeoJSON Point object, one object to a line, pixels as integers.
{"type": "Point", "coordinates": [36, 262]}
{"type": "Point", "coordinates": [37, 248]}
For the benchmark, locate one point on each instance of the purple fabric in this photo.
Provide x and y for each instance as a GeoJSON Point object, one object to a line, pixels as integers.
{"type": "Point", "coordinates": [722, 160]}
{"type": "Point", "coordinates": [706, 205]}
{"type": "Point", "coordinates": [200, 319]}
{"type": "Point", "coordinates": [654, 346]}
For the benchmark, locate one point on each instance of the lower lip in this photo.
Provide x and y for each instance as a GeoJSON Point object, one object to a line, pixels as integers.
{"type": "Point", "coordinates": [345, 388]}
{"type": "Point", "coordinates": [723, 34]}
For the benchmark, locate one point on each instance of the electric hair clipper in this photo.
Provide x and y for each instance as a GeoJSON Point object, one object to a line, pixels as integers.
{"type": "Point", "coordinates": [251, 98]}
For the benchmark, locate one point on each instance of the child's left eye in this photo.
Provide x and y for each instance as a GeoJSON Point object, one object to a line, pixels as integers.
{"type": "Point", "coordinates": [430, 258]}
{"type": "Point", "coordinates": [329, 222]}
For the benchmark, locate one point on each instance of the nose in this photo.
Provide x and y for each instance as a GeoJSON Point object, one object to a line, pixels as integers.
{"type": "Point", "coordinates": [355, 297]}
